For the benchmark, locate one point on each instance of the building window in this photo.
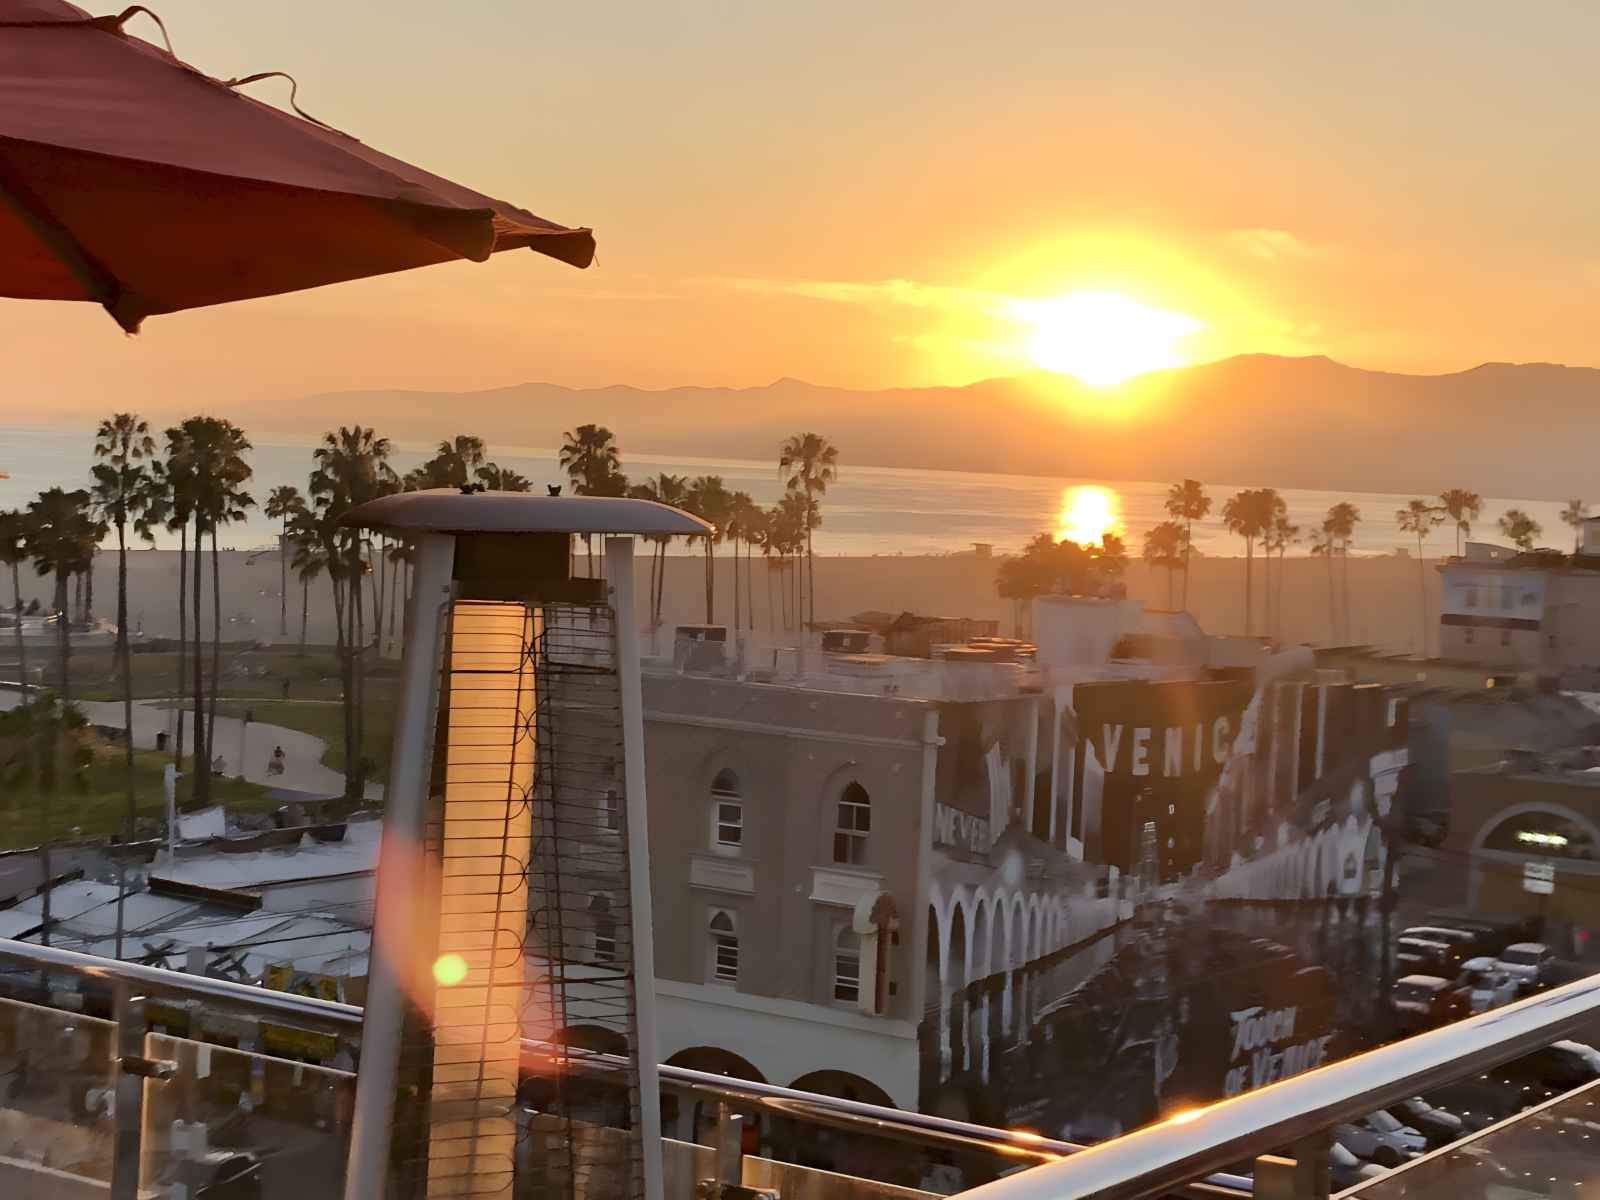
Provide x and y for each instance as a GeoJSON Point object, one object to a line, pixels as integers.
{"type": "Point", "coordinates": [613, 811]}
{"type": "Point", "coordinates": [727, 814]}
{"type": "Point", "coordinates": [847, 966]}
{"type": "Point", "coordinates": [724, 948]}
{"type": "Point", "coordinates": [1469, 635]}
{"type": "Point", "coordinates": [852, 825]}
{"type": "Point", "coordinates": [605, 928]}
{"type": "Point", "coordinates": [1472, 597]}
{"type": "Point", "coordinates": [1505, 637]}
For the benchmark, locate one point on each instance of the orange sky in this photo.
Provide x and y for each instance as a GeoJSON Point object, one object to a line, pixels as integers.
{"type": "Point", "coordinates": [855, 194]}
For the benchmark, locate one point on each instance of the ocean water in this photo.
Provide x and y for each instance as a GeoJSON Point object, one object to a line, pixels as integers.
{"type": "Point", "coordinates": [869, 510]}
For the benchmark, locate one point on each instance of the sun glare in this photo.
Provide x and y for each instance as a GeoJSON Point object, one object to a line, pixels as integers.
{"type": "Point", "coordinates": [1087, 513]}
{"type": "Point", "coordinates": [1104, 337]}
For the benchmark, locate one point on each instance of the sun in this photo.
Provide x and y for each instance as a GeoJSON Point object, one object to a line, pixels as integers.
{"type": "Point", "coordinates": [1104, 337]}
{"type": "Point", "coordinates": [1087, 514]}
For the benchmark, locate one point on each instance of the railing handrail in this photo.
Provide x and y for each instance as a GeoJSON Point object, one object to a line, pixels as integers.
{"type": "Point", "coordinates": [1164, 1157]}
{"type": "Point", "coordinates": [164, 983]}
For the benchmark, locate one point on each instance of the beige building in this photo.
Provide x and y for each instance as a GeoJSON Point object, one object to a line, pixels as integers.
{"type": "Point", "coordinates": [1523, 612]}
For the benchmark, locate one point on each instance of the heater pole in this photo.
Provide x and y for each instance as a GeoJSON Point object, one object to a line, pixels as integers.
{"type": "Point", "coordinates": [400, 874]}
{"type": "Point", "coordinates": [619, 576]}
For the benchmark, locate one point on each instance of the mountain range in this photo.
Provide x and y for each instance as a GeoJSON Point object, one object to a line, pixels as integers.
{"type": "Point", "coordinates": [1505, 429]}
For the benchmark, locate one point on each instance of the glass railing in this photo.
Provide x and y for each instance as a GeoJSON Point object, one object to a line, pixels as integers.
{"type": "Point", "coordinates": [117, 1079]}
{"type": "Point", "coordinates": [1551, 1150]}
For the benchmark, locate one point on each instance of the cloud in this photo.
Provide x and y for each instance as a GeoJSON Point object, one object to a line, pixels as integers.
{"type": "Point", "coordinates": [904, 293]}
{"type": "Point", "coordinates": [1272, 245]}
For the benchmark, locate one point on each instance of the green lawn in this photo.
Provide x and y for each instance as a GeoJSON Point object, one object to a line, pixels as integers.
{"type": "Point", "coordinates": [326, 721]}
{"type": "Point", "coordinates": [245, 672]}
{"type": "Point", "coordinates": [99, 806]}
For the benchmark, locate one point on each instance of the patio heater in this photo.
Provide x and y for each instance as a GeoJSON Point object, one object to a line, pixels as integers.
{"type": "Point", "coordinates": [513, 894]}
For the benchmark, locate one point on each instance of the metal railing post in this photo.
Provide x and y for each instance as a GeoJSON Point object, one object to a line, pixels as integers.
{"type": "Point", "coordinates": [128, 1107]}
{"type": "Point", "coordinates": [730, 1146]}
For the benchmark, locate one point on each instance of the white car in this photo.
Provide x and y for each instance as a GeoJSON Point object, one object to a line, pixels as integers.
{"type": "Point", "coordinates": [1380, 1138]}
{"type": "Point", "coordinates": [1490, 986]}
{"type": "Point", "coordinates": [1347, 1170]}
{"type": "Point", "coordinates": [1529, 963]}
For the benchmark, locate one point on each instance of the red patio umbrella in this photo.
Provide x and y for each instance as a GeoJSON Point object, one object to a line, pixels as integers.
{"type": "Point", "coordinates": [131, 179]}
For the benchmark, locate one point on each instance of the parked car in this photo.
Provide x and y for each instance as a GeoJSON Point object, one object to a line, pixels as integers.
{"type": "Point", "coordinates": [1424, 956]}
{"type": "Point", "coordinates": [1424, 1001]}
{"type": "Point", "coordinates": [1346, 1170]}
{"type": "Point", "coordinates": [1531, 964]}
{"type": "Point", "coordinates": [1381, 1139]}
{"type": "Point", "coordinates": [1439, 1126]}
{"type": "Point", "coordinates": [1466, 939]}
{"type": "Point", "coordinates": [1486, 984]}
{"type": "Point", "coordinates": [1480, 1101]}
{"type": "Point", "coordinates": [1558, 1067]}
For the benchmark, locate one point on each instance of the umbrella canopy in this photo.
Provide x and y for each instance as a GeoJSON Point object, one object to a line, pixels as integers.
{"type": "Point", "coordinates": [133, 180]}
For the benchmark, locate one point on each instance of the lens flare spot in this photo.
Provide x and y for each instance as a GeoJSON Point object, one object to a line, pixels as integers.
{"type": "Point", "coordinates": [449, 970]}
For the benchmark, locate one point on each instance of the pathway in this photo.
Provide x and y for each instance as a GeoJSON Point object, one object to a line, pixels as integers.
{"type": "Point", "coordinates": [252, 744]}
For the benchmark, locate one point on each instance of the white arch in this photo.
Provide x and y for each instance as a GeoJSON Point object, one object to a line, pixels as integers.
{"type": "Point", "coordinates": [1517, 810]}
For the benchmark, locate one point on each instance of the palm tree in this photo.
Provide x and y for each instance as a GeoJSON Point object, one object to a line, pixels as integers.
{"type": "Point", "coordinates": [177, 505]}
{"type": "Point", "coordinates": [1462, 507]}
{"type": "Point", "coordinates": [351, 468]}
{"type": "Point", "coordinates": [809, 464]}
{"type": "Point", "coordinates": [214, 450]}
{"type": "Point", "coordinates": [1340, 523]}
{"type": "Point", "coordinates": [709, 500]}
{"type": "Point", "coordinates": [593, 463]}
{"type": "Point", "coordinates": [743, 515]}
{"type": "Point", "coordinates": [59, 529]}
{"type": "Point", "coordinates": [1249, 514]}
{"type": "Point", "coordinates": [496, 478]}
{"type": "Point", "coordinates": [1575, 514]}
{"type": "Point", "coordinates": [1187, 502]}
{"type": "Point", "coordinates": [125, 491]}
{"type": "Point", "coordinates": [1284, 534]}
{"type": "Point", "coordinates": [755, 525]}
{"type": "Point", "coordinates": [284, 503]}
{"type": "Point", "coordinates": [1420, 518]}
{"type": "Point", "coordinates": [309, 538]}
{"type": "Point", "coordinates": [1323, 545]}
{"type": "Point", "coordinates": [13, 553]}
{"type": "Point", "coordinates": [1520, 528]}
{"type": "Point", "coordinates": [1163, 547]}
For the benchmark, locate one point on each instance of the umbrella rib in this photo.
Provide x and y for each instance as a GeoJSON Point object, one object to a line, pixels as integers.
{"type": "Point", "coordinates": [96, 280]}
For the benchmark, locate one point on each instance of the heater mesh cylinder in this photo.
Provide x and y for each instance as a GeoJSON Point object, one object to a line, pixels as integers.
{"type": "Point", "coordinates": [528, 852]}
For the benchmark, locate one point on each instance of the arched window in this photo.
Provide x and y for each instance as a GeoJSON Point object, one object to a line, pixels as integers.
{"type": "Point", "coordinates": [724, 949]}
{"type": "Point", "coordinates": [605, 928]}
{"type": "Point", "coordinates": [727, 814]}
{"type": "Point", "coordinates": [851, 825]}
{"type": "Point", "coordinates": [847, 966]}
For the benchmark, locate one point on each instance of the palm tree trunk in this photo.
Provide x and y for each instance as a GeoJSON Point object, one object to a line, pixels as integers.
{"type": "Point", "coordinates": [1249, 586]}
{"type": "Point", "coordinates": [377, 611]}
{"type": "Point", "coordinates": [22, 651]}
{"type": "Point", "coordinates": [811, 568]}
{"type": "Point", "coordinates": [283, 578]}
{"type": "Point", "coordinates": [770, 628]}
{"type": "Point", "coordinates": [1344, 579]}
{"type": "Point", "coordinates": [1188, 540]}
{"type": "Point", "coordinates": [1169, 587]}
{"type": "Point", "coordinates": [183, 637]}
{"type": "Point", "coordinates": [738, 616]}
{"type": "Point", "coordinates": [63, 637]}
{"type": "Point", "coordinates": [711, 595]}
{"type": "Point", "coordinates": [200, 792]}
{"type": "Point", "coordinates": [216, 644]}
{"type": "Point", "coordinates": [1422, 603]}
{"type": "Point", "coordinates": [305, 612]}
{"type": "Point", "coordinates": [88, 588]}
{"type": "Point", "coordinates": [125, 654]}
{"type": "Point", "coordinates": [1333, 632]}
